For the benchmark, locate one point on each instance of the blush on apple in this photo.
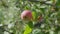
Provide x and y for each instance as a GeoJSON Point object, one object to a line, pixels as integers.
{"type": "Point", "coordinates": [26, 15]}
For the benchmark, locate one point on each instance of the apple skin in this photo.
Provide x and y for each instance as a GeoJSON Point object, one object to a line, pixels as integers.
{"type": "Point", "coordinates": [26, 15]}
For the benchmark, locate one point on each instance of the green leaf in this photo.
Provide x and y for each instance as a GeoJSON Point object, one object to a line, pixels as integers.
{"type": "Point", "coordinates": [27, 30]}
{"type": "Point", "coordinates": [58, 3]}
{"type": "Point", "coordinates": [30, 24]}
{"type": "Point", "coordinates": [34, 14]}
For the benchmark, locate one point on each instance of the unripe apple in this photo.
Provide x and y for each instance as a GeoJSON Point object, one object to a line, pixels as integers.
{"type": "Point", "coordinates": [26, 15]}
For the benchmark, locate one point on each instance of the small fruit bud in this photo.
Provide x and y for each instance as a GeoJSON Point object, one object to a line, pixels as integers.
{"type": "Point", "coordinates": [40, 18]}
{"type": "Point", "coordinates": [39, 22]}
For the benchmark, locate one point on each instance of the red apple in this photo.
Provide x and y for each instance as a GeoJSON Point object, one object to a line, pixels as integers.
{"type": "Point", "coordinates": [26, 15]}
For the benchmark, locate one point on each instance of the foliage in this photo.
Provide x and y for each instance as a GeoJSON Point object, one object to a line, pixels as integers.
{"type": "Point", "coordinates": [11, 23]}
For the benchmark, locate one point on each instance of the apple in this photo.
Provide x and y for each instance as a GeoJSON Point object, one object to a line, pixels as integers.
{"type": "Point", "coordinates": [26, 15]}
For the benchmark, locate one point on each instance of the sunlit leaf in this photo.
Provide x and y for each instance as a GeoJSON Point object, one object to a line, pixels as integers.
{"type": "Point", "coordinates": [28, 30]}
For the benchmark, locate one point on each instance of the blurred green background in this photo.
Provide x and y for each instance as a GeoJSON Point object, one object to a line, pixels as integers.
{"type": "Point", "coordinates": [11, 23]}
